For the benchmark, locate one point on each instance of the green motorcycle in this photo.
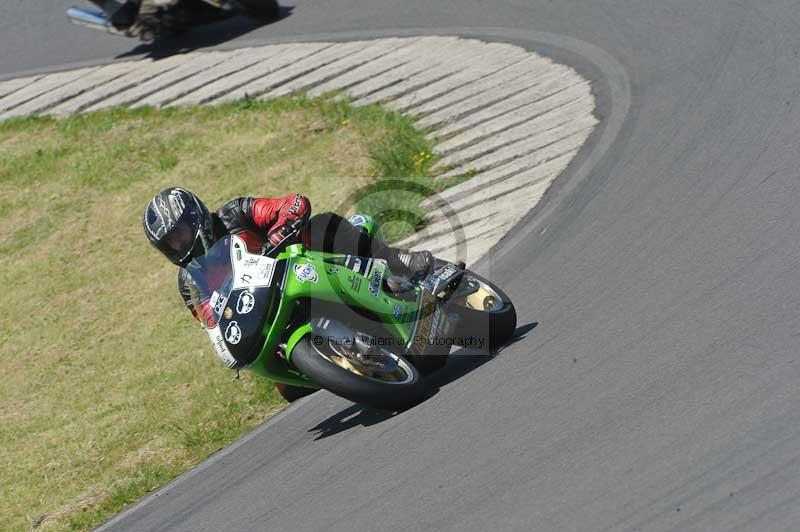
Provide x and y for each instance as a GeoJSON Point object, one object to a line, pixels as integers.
{"type": "Point", "coordinates": [313, 320]}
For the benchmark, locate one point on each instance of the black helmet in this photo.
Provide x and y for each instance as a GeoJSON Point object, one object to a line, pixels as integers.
{"type": "Point", "coordinates": [179, 225]}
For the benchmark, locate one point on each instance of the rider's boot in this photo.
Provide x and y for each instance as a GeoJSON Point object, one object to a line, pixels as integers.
{"type": "Point", "coordinates": [413, 264]}
{"type": "Point", "coordinates": [330, 232]}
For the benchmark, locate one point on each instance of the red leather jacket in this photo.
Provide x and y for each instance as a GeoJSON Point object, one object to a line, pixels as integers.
{"type": "Point", "coordinates": [261, 215]}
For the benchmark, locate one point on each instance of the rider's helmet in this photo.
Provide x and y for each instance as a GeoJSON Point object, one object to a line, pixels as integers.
{"type": "Point", "coordinates": [178, 225]}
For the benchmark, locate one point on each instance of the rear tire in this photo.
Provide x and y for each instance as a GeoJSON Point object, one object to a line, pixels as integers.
{"type": "Point", "coordinates": [381, 394]}
{"type": "Point", "coordinates": [266, 10]}
{"type": "Point", "coordinates": [495, 327]}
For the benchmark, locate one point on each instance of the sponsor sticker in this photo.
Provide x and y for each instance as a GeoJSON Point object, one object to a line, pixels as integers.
{"type": "Point", "coordinates": [250, 271]}
{"type": "Point", "coordinates": [298, 202]}
{"type": "Point", "coordinates": [355, 283]}
{"type": "Point", "coordinates": [446, 273]}
{"type": "Point", "coordinates": [356, 267]}
{"type": "Point", "coordinates": [357, 220]}
{"type": "Point", "coordinates": [233, 334]}
{"type": "Point", "coordinates": [360, 265]}
{"type": "Point", "coordinates": [421, 333]}
{"type": "Point", "coordinates": [435, 325]}
{"type": "Point", "coordinates": [220, 347]}
{"type": "Point", "coordinates": [397, 312]}
{"type": "Point", "coordinates": [306, 272]}
{"type": "Point", "coordinates": [245, 303]}
{"type": "Point", "coordinates": [251, 262]}
{"type": "Point", "coordinates": [265, 270]}
{"type": "Point", "coordinates": [375, 282]}
{"type": "Point", "coordinates": [441, 277]}
{"type": "Point", "coordinates": [218, 302]}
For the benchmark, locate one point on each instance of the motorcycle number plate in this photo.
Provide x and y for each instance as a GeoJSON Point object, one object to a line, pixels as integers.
{"type": "Point", "coordinates": [441, 278]}
{"type": "Point", "coordinates": [427, 324]}
{"type": "Point", "coordinates": [250, 270]}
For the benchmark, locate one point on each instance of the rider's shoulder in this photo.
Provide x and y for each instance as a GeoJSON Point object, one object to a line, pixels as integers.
{"type": "Point", "coordinates": [236, 213]}
{"type": "Point", "coordinates": [242, 203]}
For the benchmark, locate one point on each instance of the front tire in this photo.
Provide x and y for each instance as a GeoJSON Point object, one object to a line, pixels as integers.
{"type": "Point", "coordinates": [487, 314]}
{"type": "Point", "coordinates": [320, 364]}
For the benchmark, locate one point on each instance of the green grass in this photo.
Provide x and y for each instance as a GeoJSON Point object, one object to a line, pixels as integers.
{"type": "Point", "coordinates": [109, 386]}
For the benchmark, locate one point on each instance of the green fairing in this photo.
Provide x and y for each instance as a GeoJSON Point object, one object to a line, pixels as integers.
{"type": "Point", "coordinates": [329, 282]}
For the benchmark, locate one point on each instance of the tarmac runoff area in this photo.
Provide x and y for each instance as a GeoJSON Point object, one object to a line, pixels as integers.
{"type": "Point", "coordinates": [509, 117]}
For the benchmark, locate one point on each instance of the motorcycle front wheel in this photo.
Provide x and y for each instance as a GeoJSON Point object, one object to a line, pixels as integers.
{"type": "Point", "coordinates": [397, 388]}
{"type": "Point", "coordinates": [485, 313]}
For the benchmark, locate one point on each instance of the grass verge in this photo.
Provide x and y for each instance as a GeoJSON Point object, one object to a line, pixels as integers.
{"type": "Point", "coordinates": [109, 387]}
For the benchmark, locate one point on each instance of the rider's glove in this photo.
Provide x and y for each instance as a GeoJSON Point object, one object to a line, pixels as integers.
{"type": "Point", "coordinates": [285, 234]}
{"type": "Point", "coordinates": [280, 234]}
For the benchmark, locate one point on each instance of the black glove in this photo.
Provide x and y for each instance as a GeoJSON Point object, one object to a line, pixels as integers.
{"type": "Point", "coordinates": [280, 234]}
{"type": "Point", "coordinates": [279, 237]}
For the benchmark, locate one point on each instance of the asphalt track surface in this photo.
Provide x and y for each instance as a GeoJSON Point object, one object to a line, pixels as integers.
{"type": "Point", "coordinates": [658, 390]}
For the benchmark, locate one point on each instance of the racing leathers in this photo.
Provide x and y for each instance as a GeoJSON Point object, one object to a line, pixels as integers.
{"type": "Point", "coordinates": [328, 232]}
{"type": "Point", "coordinates": [137, 16]}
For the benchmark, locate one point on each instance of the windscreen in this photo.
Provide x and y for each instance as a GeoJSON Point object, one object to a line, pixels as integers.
{"type": "Point", "coordinates": [210, 281]}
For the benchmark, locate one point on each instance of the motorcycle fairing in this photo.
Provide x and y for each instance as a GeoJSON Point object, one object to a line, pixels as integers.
{"type": "Point", "coordinates": [311, 275]}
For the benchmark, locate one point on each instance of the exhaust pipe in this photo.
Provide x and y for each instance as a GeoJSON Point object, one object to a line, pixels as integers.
{"type": "Point", "coordinates": [92, 18]}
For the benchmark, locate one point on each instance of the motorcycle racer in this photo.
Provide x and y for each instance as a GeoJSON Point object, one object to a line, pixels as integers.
{"type": "Point", "coordinates": [149, 18]}
{"type": "Point", "coordinates": [181, 227]}
{"type": "Point", "coordinates": [146, 18]}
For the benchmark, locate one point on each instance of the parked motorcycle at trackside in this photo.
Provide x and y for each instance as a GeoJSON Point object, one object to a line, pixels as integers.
{"type": "Point", "coordinates": [150, 19]}
{"type": "Point", "coordinates": [311, 319]}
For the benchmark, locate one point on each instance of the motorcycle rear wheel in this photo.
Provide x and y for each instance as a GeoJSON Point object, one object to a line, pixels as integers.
{"type": "Point", "coordinates": [325, 367]}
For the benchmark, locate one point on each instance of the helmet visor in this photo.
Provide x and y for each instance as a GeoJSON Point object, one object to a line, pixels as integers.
{"type": "Point", "coordinates": [181, 245]}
